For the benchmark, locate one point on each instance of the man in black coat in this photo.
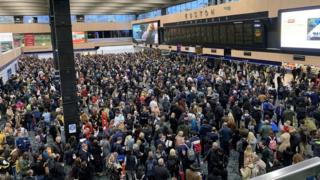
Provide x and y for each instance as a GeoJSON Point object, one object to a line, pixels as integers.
{"type": "Point", "coordinates": [217, 162]}
{"type": "Point", "coordinates": [160, 171]}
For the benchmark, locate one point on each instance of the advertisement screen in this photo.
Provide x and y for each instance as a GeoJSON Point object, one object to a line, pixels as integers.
{"type": "Point", "coordinates": [300, 29]}
{"type": "Point", "coordinates": [6, 41]}
{"type": "Point", "coordinates": [29, 40]}
{"type": "Point", "coordinates": [78, 37]}
{"type": "Point", "coordinates": [21, 40]}
{"type": "Point", "coordinates": [146, 33]}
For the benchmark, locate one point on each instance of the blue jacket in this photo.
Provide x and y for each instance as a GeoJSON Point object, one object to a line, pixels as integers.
{"type": "Point", "coordinates": [204, 129]}
{"type": "Point", "coordinates": [225, 134]}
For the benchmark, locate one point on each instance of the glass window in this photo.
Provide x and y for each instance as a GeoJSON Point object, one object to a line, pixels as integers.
{"type": "Point", "coordinates": [188, 6]}
{"type": "Point", "coordinates": [151, 14]}
{"type": "Point", "coordinates": [6, 19]}
{"type": "Point", "coordinates": [35, 19]}
{"type": "Point", "coordinates": [43, 19]}
{"type": "Point", "coordinates": [200, 3]}
{"type": "Point", "coordinates": [178, 8]}
{"type": "Point", "coordinates": [90, 18]}
{"type": "Point", "coordinates": [169, 11]}
{"type": "Point", "coordinates": [194, 5]}
{"type": "Point", "coordinates": [73, 18]}
{"type": "Point", "coordinates": [183, 7]}
{"type": "Point", "coordinates": [109, 18]}
{"type": "Point", "coordinates": [174, 9]}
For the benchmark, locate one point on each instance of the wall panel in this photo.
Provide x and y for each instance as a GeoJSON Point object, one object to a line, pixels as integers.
{"type": "Point", "coordinates": [8, 56]}
{"type": "Point", "coordinates": [219, 52]}
{"type": "Point", "coordinates": [277, 57]}
{"type": "Point", "coordinates": [76, 27]}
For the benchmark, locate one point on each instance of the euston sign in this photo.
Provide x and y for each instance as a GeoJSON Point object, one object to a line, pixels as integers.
{"type": "Point", "coordinates": [199, 14]}
{"type": "Point", "coordinates": [203, 13]}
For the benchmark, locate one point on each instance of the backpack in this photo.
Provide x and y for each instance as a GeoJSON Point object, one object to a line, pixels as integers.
{"type": "Point", "coordinates": [197, 146]}
{"type": "Point", "coordinates": [273, 143]}
{"type": "Point", "coordinates": [191, 154]}
{"type": "Point", "coordinates": [23, 144]}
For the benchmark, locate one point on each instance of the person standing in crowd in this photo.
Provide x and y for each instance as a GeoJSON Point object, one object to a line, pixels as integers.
{"type": "Point", "coordinates": [160, 171]}
{"type": "Point", "coordinates": [225, 136]}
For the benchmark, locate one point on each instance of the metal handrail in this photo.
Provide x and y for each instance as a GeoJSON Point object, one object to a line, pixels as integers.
{"type": "Point", "coordinates": [299, 171]}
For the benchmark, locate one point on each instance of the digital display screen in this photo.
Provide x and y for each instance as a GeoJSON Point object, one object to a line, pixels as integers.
{"type": "Point", "coordinates": [258, 33]}
{"type": "Point", "coordinates": [6, 42]}
{"type": "Point", "coordinates": [300, 29]}
{"type": "Point", "coordinates": [146, 33]}
{"type": "Point", "coordinates": [78, 37]}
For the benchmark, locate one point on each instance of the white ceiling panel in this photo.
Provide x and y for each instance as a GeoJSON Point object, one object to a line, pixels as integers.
{"type": "Point", "coordinates": [79, 7]}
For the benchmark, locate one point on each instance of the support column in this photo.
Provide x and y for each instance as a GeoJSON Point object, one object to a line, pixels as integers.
{"type": "Point", "coordinates": [53, 36]}
{"type": "Point", "coordinates": [66, 64]}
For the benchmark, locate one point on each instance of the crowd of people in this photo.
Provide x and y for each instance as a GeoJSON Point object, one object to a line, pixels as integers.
{"type": "Point", "coordinates": [153, 117]}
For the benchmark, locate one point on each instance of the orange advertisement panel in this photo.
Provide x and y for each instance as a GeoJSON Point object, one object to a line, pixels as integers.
{"type": "Point", "coordinates": [78, 37]}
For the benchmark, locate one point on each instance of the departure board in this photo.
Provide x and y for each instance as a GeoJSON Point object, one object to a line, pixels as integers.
{"type": "Point", "coordinates": [248, 33]}
{"type": "Point", "coordinates": [215, 34]}
{"type": "Point", "coordinates": [204, 34]}
{"type": "Point", "coordinates": [184, 35]}
{"type": "Point", "coordinates": [193, 35]}
{"type": "Point", "coordinates": [238, 27]}
{"type": "Point", "coordinates": [223, 34]}
{"type": "Point", "coordinates": [180, 35]}
{"type": "Point", "coordinates": [169, 35]}
{"type": "Point", "coordinates": [230, 34]}
{"type": "Point", "coordinates": [174, 35]}
{"type": "Point", "coordinates": [209, 33]}
{"type": "Point", "coordinates": [166, 35]}
{"type": "Point", "coordinates": [188, 31]}
{"type": "Point", "coordinates": [199, 38]}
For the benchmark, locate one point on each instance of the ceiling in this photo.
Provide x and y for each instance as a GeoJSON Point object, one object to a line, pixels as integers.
{"type": "Point", "coordinates": [79, 7]}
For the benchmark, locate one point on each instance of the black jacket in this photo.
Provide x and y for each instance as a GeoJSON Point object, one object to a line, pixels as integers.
{"type": "Point", "coordinates": [161, 173]}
